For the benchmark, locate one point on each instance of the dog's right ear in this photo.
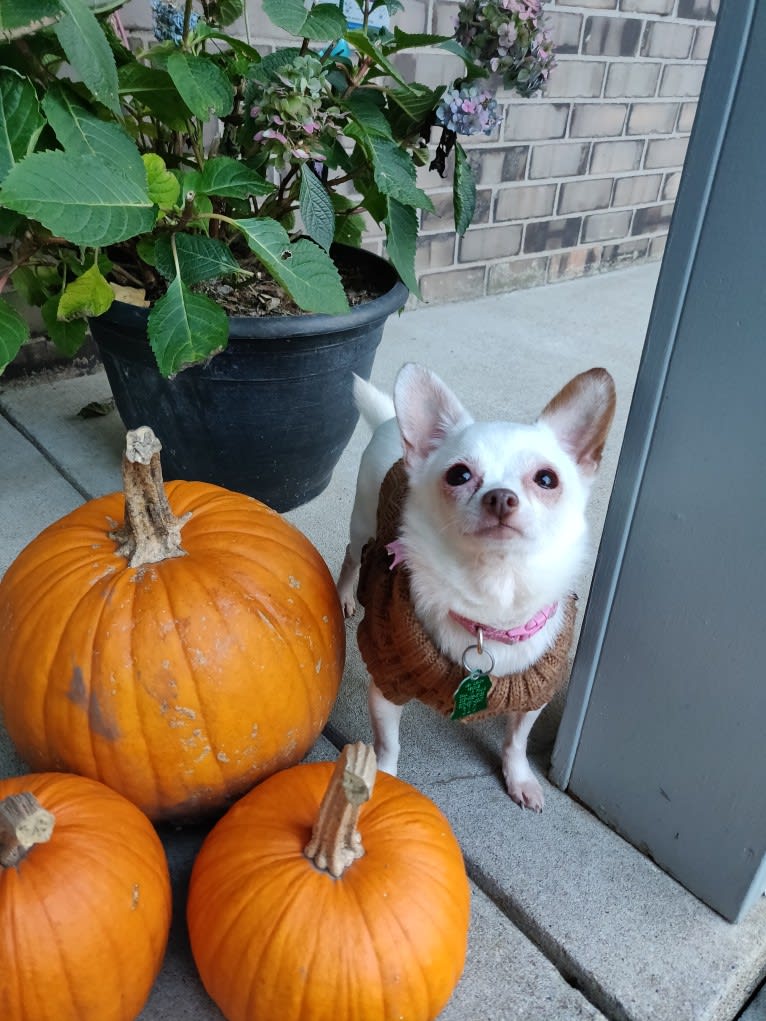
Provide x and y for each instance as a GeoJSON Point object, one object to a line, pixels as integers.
{"type": "Point", "coordinates": [581, 415]}
{"type": "Point", "coordinates": [426, 409]}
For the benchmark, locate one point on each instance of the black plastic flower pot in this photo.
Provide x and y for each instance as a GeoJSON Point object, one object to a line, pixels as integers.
{"type": "Point", "coordinates": [271, 414]}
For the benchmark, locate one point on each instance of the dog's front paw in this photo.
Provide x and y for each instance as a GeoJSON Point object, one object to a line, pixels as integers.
{"type": "Point", "coordinates": [527, 795]}
{"type": "Point", "coordinates": [524, 788]}
{"type": "Point", "coordinates": [347, 583]}
{"type": "Point", "coordinates": [348, 604]}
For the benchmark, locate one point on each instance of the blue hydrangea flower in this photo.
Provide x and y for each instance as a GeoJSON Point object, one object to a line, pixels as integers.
{"type": "Point", "coordinates": [468, 111]}
{"type": "Point", "coordinates": [168, 21]}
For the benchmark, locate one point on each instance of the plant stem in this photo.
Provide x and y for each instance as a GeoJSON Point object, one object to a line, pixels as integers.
{"type": "Point", "coordinates": [187, 20]}
{"type": "Point", "coordinates": [335, 842]}
{"type": "Point", "coordinates": [151, 532]}
{"type": "Point", "coordinates": [199, 152]}
{"type": "Point", "coordinates": [358, 79]}
{"type": "Point", "coordinates": [23, 823]}
{"type": "Point", "coordinates": [124, 274]}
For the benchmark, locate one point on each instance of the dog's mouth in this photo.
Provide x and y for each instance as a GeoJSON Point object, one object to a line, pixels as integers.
{"type": "Point", "coordinates": [501, 531]}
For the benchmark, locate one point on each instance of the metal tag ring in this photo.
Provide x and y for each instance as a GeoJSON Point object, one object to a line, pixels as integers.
{"type": "Point", "coordinates": [481, 651]}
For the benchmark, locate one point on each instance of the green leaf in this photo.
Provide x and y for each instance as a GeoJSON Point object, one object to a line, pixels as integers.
{"type": "Point", "coordinates": [373, 200]}
{"type": "Point", "coordinates": [18, 13]}
{"type": "Point", "coordinates": [88, 51]}
{"type": "Point", "coordinates": [68, 337]}
{"type": "Point", "coordinates": [365, 107]}
{"type": "Point", "coordinates": [412, 41]}
{"type": "Point", "coordinates": [323, 21]}
{"type": "Point", "coordinates": [155, 90]}
{"type": "Point", "coordinates": [185, 328]}
{"type": "Point", "coordinates": [316, 209]}
{"type": "Point", "coordinates": [35, 284]}
{"type": "Point", "coordinates": [472, 69]}
{"type": "Point", "coordinates": [202, 84]}
{"type": "Point", "coordinates": [14, 331]}
{"type": "Point", "coordinates": [232, 179]}
{"type": "Point", "coordinates": [463, 191]}
{"type": "Point", "coordinates": [20, 119]}
{"type": "Point", "coordinates": [96, 409]}
{"type": "Point", "coordinates": [401, 242]}
{"type": "Point", "coordinates": [416, 102]}
{"type": "Point", "coordinates": [306, 272]}
{"type": "Point", "coordinates": [10, 222]}
{"type": "Point", "coordinates": [349, 231]}
{"type": "Point", "coordinates": [224, 12]}
{"type": "Point", "coordinates": [289, 15]}
{"type": "Point", "coordinates": [87, 295]}
{"type": "Point", "coordinates": [242, 50]}
{"type": "Point", "coordinates": [163, 185]}
{"type": "Point", "coordinates": [349, 227]}
{"type": "Point", "coordinates": [395, 174]}
{"type": "Point", "coordinates": [145, 249]}
{"type": "Point", "coordinates": [361, 42]}
{"type": "Point", "coordinates": [80, 198]}
{"type": "Point", "coordinates": [271, 65]}
{"type": "Point", "coordinates": [80, 131]}
{"type": "Point", "coordinates": [392, 6]}
{"type": "Point", "coordinates": [199, 258]}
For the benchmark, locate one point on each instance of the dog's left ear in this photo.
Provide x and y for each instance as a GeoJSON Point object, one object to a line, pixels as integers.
{"type": "Point", "coordinates": [580, 415]}
{"type": "Point", "coordinates": [426, 409]}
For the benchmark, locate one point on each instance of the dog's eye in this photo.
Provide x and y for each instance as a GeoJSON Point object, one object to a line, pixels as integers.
{"type": "Point", "coordinates": [547, 478]}
{"type": "Point", "coordinates": [458, 475]}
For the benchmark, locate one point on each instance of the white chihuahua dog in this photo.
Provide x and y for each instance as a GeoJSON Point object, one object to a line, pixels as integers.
{"type": "Point", "coordinates": [469, 547]}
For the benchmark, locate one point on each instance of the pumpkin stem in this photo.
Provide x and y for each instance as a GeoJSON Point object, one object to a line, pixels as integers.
{"type": "Point", "coordinates": [23, 823]}
{"type": "Point", "coordinates": [335, 842]}
{"type": "Point", "coordinates": [151, 532]}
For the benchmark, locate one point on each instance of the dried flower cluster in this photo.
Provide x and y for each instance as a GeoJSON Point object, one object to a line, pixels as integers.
{"type": "Point", "coordinates": [293, 114]}
{"type": "Point", "coordinates": [508, 38]}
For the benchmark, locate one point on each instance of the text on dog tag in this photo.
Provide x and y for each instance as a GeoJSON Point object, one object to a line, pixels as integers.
{"type": "Point", "coordinates": [471, 695]}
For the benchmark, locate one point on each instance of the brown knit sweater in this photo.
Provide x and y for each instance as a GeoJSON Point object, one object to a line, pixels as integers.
{"type": "Point", "coordinates": [400, 656]}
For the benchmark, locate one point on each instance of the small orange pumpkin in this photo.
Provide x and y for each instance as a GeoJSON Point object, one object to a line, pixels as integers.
{"type": "Point", "coordinates": [295, 915]}
{"type": "Point", "coordinates": [179, 658]}
{"type": "Point", "coordinates": [84, 901]}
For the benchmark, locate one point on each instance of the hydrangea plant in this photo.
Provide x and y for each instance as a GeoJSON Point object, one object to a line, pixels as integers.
{"type": "Point", "coordinates": [201, 158]}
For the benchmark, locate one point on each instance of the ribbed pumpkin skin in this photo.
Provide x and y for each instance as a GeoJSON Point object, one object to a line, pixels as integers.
{"type": "Point", "coordinates": [274, 937]}
{"type": "Point", "coordinates": [84, 918]}
{"type": "Point", "coordinates": [179, 684]}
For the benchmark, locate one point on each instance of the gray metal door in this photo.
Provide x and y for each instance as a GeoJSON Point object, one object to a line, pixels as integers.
{"type": "Point", "coordinates": [664, 730]}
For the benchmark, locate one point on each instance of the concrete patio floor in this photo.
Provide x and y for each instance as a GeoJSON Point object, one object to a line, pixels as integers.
{"type": "Point", "coordinates": [568, 920]}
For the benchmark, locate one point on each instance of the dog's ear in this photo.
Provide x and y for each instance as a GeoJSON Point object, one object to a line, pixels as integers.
{"type": "Point", "coordinates": [426, 410]}
{"type": "Point", "coordinates": [580, 415]}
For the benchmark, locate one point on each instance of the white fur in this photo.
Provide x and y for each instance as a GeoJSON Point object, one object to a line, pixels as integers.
{"type": "Point", "coordinates": [458, 559]}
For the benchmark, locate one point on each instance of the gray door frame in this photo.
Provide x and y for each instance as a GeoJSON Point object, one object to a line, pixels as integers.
{"type": "Point", "coordinates": [661, 726]}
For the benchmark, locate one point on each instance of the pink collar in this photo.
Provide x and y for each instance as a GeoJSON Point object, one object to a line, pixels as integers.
{"type": "Point", "coordinates": [509, 636]}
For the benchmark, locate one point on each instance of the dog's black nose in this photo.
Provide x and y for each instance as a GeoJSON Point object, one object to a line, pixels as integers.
{"type": "Point", "coordinates": [500, 502]}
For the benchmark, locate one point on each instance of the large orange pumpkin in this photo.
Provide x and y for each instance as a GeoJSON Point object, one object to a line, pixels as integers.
{"type": "Point", "coordinates": [179, 658]}
{"type": "Point", "coordinates": [295, 915]}
{"type": "Point", "coordinates": [84, 901]}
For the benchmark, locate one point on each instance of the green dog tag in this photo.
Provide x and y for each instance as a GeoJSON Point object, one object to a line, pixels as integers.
{"type": "Point", "coordinates": [471, 694]}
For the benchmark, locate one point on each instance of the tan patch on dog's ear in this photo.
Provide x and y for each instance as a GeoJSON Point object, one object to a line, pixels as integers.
{"type": "Point", "coordinates": [581, 415]}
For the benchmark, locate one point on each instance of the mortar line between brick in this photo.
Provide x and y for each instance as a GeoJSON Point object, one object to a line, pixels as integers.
{"type": "Point", "coordinates": [41, 449]}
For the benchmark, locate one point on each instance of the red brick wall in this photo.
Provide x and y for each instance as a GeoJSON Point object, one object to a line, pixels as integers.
{"type": "Point", "coordinates": [580, 179]}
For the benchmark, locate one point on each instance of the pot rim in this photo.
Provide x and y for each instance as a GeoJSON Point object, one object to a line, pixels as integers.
{"type": "Point", "coordinates": [308, 324]}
